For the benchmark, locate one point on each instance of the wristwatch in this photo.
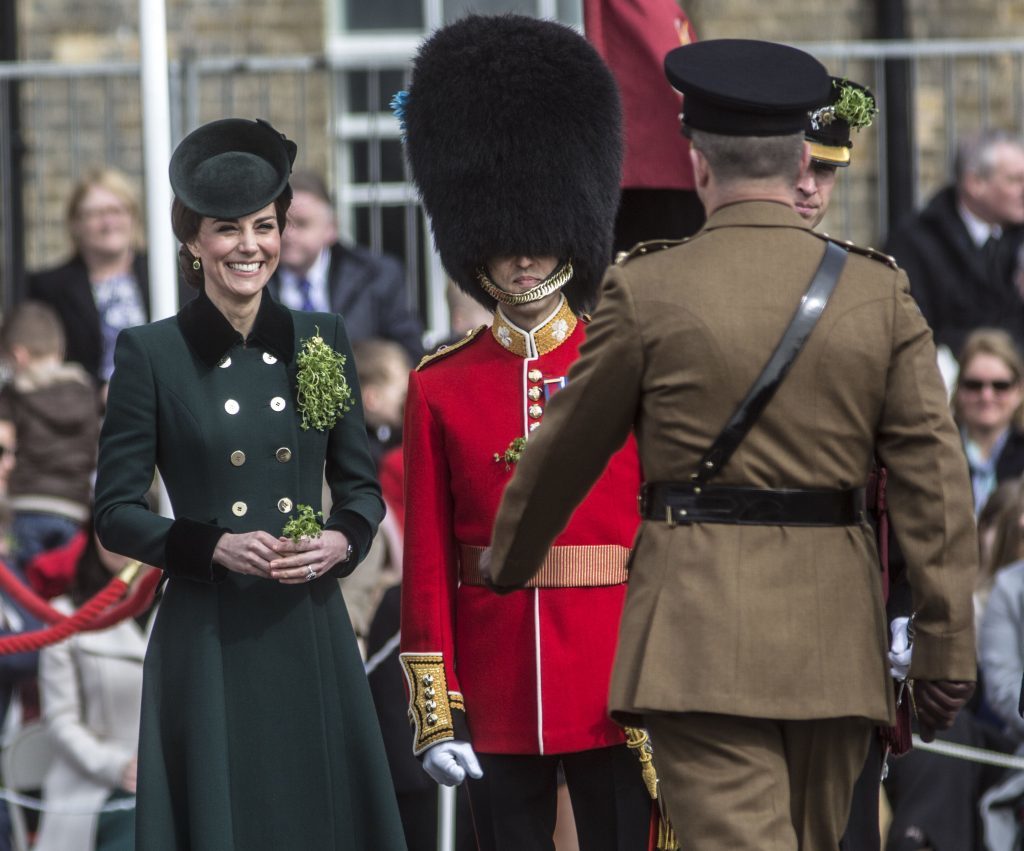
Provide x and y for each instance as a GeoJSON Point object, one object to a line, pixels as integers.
{"type": "Point", "coordinates": [348, 554]}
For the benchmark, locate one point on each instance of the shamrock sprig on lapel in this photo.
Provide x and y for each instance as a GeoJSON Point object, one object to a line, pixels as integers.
{"type": "Point", "coordinates": [323, 395]}
{"type": "Point", "coordinates": [511, 455]}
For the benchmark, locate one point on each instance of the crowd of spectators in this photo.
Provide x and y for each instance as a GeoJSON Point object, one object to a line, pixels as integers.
{"type": "Point", "coordinates": [965, 260]}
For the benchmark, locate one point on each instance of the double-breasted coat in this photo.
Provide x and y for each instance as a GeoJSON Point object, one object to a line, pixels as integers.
{"type": "Point", "coordinates": [529, 672]}
{"type": "Point", "coordinates": [778, 622]}
{"type": "Point", "coordinates": [258, 730]}
{"type": "Point", "coordinates": [90, 688]}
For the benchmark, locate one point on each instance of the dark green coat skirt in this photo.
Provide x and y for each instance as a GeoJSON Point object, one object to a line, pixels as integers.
{"type": "Point", "coordinates": [258, 730]}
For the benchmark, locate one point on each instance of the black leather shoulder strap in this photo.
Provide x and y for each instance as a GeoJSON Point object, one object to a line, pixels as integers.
{"type": "Point", "coordinates": [800, 326]}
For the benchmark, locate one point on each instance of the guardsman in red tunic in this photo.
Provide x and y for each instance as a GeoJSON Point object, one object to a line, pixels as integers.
{"type": "Point", "coordinates": [514, 140]}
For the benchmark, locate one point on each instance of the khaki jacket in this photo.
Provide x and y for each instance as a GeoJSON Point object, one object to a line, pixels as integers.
{"type": "Point", "coordinates": [761, 621]}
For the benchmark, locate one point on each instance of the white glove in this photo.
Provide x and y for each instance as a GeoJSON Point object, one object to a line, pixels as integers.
{"type": "Point", "coordinates": [448, 763]}
{"type": "Point", "coordinates": [901, 650]}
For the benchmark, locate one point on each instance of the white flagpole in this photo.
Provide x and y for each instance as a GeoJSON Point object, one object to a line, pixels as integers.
{"type": "Point", "coordinates": [156, 147]}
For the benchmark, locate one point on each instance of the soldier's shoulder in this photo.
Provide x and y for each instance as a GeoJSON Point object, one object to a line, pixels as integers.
{"type": "Point", "coordinates": [863, 251]}
{"type": "Point", "coordinates": [642, 249]}
{"type": "Point", "coordinates": [448, 349]}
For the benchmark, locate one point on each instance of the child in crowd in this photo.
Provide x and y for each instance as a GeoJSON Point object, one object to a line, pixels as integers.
{"type": "Point", "coordinates": [54, 409]}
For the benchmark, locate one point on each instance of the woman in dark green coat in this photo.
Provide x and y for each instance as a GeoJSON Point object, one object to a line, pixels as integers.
{"type": "Point", "coordinates": [258, 731]}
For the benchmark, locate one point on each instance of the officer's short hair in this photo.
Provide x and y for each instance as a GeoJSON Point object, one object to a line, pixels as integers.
{"type": "Point", "coordinates": [738, 158]}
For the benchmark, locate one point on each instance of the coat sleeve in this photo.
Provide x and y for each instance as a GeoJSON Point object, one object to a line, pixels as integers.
{"type": "Point", "coordinates": [585, 424]}
{"type": "Point", "coordinates": [929, 499]}
{"type": "Point", "coordinates": [429, 580]}
{"type": "Point", "coordinates": [61, 702]}
{"type": "Point", "coordinates": [127, 462]}
{"type": "Point", "coordinates": [1001, 646]}
{"type": "Point", "coordinates": [356, 503]}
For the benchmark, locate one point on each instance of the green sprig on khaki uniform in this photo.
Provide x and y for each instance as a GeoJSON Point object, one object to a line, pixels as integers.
{"type": "Point", "coordinates": [324, 396]}
{"type": "Point", "coordinates": [305, 523]}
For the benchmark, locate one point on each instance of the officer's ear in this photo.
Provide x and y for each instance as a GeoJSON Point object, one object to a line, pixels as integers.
{"type": "Point", "coordinates": [805, 157]}
{"type": "Point", "coordinates": [701, 172]}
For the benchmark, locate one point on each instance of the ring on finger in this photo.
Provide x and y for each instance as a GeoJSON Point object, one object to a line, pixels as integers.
{"type": "Point", "coordinates": [310, 573]}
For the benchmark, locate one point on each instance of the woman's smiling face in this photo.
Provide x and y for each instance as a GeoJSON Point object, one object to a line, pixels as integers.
{"type": "Point", "coordinates": [238, 255]}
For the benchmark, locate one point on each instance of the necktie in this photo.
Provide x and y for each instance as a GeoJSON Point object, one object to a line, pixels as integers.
{"type": "Point", "coordinates": [304, 287]}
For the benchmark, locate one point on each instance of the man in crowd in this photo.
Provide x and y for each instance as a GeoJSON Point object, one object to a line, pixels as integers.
{"type": "Point", "coordinates": [961, 251]}
{"type": "Point", "coordinates": [319, 272]}
{"type": "Point", "coordinates": [753, 642]}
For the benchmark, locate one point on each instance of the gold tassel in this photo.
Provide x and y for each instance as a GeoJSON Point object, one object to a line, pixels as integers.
{"type": "Point", "coordinates": [638, 740]}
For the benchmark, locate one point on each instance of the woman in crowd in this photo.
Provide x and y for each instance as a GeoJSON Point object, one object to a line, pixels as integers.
{"type": "Point", "coordinates": [90, 689]}
{"type": "Point", "coordinates": [258, 730]}
{"type": "Point", "coordinates": [987, 406]}
{"type": "Point", "coordinates": [104, 286]}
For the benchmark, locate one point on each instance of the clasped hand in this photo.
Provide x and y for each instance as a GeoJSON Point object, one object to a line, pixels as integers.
{"type": "Point", "coordinates": [289, 562]}
{"type": "Point", "coordinates": [448, 763]}
{"type": "Point", "coordinates": [936, 703]}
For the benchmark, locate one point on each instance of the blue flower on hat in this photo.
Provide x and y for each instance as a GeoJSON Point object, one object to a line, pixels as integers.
{"type": "Point", "coordinates": [397, 105]}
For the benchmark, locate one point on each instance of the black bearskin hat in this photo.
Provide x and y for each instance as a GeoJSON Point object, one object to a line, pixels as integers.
{"type": "Point", "coordinates": [513, 134]}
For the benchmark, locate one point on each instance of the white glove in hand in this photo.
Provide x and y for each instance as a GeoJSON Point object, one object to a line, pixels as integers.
{"type": "Point", "coordinates": [448, 763]}
{"type": "Point", "coordinates": [901, 650]}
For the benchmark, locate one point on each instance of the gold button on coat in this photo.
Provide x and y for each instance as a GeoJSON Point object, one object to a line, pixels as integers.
{"type": "Point", "coordinates": [534, 393]}
{"type": "Point", "coordinates": [535, 411]}
{"type": "Point", "coordinates": [284, 505]}
{"type": "Point", "coordinates": [535, 375]}
{"type": "Point", "coordinates": [231, 406]}
{"type": "Point", "coordinates": [239, 509]}
{"type": "Point", "coordinates": [238, 457]}
{"type": "Point", "coordinates": [284, 454]}
{"type": "Point", "coordinates": [269, 358]}
{"type": "Point", "coordinates": [277, 403]}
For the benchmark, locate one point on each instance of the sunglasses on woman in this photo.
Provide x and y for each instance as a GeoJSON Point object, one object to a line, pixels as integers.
{"type": "Point", "coordinates": [976, 385]}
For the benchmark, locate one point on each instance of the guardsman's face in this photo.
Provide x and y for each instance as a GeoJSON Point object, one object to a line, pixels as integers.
{"type": "Point", "coordinates": [520, 274]}
{"type": "Point", "coordinates": [813, 191]}
{"type": "Point", "coordinates": [238, 255]}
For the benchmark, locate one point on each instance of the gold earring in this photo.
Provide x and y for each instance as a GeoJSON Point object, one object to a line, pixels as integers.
{"type": "Point", "coordinates": [196, 264]}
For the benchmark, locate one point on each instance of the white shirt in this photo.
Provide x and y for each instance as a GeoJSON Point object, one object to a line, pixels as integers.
{"type": "Point", "coordinates": [291, 295]}
{"type": "Point", "coordinates": [978, 230]}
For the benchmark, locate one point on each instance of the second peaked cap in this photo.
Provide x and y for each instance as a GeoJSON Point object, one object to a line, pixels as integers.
{"type": "Point", "coordinates": [745, 87]}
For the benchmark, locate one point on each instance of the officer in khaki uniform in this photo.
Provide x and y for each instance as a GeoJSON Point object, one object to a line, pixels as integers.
{"type": "Point", "coordinates": [753, 644]}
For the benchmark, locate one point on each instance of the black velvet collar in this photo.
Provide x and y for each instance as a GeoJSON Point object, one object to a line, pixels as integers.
{"type": "Point", "coordinates": [210, 335]}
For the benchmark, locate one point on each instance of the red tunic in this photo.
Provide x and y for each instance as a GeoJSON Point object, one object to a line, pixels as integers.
{"type": "Point", "coordinates": [531, 669]}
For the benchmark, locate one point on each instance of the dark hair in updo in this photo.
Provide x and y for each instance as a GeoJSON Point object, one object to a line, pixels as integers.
{"type": "Point", "coordinates": [186, 222]}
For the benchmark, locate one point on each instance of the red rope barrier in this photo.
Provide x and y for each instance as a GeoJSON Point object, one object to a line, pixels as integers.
{"type": "Point", "coordinates": [99, 612]}
{"type": "Point", "coordinates": [135, 603]}
{"type": "Point", "coordinates": [28, 641]}
{"type": "Point", "coordinates": [12, 585]}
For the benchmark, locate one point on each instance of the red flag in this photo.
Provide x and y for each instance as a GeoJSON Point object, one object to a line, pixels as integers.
{"type": "Point", "coordinates": [633, 36]}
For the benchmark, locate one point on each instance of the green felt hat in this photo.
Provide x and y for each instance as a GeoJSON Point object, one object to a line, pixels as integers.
{"type": "Point", "coordinates": [232, 167]}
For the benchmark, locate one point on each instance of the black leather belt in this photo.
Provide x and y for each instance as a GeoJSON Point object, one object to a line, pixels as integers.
{"type": "Point", "coordinates": [681, 502]}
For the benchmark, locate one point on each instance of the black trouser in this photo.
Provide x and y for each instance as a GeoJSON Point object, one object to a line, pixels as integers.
{"type": "Point", "coordinates": [514, 803]}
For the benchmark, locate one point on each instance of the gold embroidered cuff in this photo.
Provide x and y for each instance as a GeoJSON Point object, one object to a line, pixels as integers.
{"type": "Point", "coordinates": [564, 566]}
{"type": "Point", "coordinates": [430, 702]}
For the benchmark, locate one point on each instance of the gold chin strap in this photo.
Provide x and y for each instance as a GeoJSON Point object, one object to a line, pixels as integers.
{"type": "Point", "coordinates": [552, 283]}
